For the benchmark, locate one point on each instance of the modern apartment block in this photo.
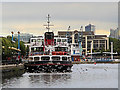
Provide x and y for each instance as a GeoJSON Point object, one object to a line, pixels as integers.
{"type": "Point", "coordinates": [98, 41]}
{"type": "Point", "coordinates": [115, 33]}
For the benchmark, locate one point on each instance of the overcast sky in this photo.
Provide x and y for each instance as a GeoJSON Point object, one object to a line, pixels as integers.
{"type": "Point", "coordinates": [30, 17]}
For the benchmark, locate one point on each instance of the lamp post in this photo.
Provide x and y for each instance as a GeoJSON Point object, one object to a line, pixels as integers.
{"type": "Point", "coordinates": [12, 35]}
{"type": "Point", "coordinates": [111, 50]}
{"type": "Point", "coordinates": [18, 40]}
{"type": "Point", "coordinates": [18, 45]}
{"type": "Point", "coordinates": [91, 50]}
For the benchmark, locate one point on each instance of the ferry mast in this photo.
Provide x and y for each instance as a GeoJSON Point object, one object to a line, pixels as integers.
{"type": "Point", "coordinates": [48, 23]}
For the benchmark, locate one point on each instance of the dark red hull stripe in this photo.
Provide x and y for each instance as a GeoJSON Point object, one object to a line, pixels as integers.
{"type": "Point", "coordinates": [49, 64]}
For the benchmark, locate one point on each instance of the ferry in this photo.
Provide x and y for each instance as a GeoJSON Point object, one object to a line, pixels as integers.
{"type": "Point", "coordinates": [49, 53]}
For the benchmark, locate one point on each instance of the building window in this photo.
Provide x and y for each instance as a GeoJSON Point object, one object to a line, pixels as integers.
{"type": "Point", "coordinates": [102, 41]}
{"type": "Point", "coordinates": [95, 41]}
{"type": "Point", "coordinates": [83, 45]}
{"type": "Point", "coordinates": [95, 46]}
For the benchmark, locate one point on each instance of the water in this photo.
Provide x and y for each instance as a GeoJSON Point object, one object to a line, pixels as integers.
{"type": "Point", "coordinates": [82, 76]}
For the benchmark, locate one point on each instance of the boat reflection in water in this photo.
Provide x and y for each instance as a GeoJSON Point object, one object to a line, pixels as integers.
{"type": "Point", "coordinates": [49, 79]}
{"type": "Point", "coordinates": [82, 76]}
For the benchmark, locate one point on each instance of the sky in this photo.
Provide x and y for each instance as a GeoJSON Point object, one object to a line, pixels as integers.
{"type": "Point", "coordinates": [29, 17]}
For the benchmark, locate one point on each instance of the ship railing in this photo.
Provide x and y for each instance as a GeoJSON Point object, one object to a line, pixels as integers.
{"type": "Point", "coordinates": [36, 53]}
{"type": "Point", "coordinates": [50, 58]}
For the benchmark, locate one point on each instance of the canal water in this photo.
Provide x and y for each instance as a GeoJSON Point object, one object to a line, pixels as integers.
{"type": "Point", "coordinates": [82, 76]}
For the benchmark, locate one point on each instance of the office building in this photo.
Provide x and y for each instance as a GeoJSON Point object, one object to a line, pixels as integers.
{"type": "Point", "coordinates": [90, 27]}
{"type": "Point", "coordinates": [98, 41]}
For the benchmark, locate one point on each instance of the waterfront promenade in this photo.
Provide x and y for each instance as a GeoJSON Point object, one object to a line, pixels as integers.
{"type": "Point", "coordinates": [9, 66]}
{"type": "Point", "coordinates": [88, 62]}
{"type": "Point", "coordinates": [12, 70]}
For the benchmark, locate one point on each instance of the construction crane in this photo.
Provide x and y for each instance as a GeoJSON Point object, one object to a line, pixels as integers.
{"type": "Point", "coordinates": [68, 34]}
{"type": "Point", "coordinates": [80, 36]}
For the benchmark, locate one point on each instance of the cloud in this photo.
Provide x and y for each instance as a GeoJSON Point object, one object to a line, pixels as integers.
{"type": "Point", "coordinates": [61, 11]}
{"type": "Point", "coordinates": [30, 17]}
{"type": "Point", "coordinates": [37, 28]}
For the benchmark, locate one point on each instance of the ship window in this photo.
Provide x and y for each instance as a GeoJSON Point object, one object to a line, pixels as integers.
{"type": "Point", "coordinates": [37, 49]}
{"type": "Point", "coordinates": [55, 58]}
{"type": "Point", "coordinates": [65, 49]}
{"type": "Point", "coordinates": [33, 40]}
{"type": "Point", "coordinates": [31, 58]}
{"type": "Point", "coordinates": [39, 40]}
{"type": "Point", "coordinates": [49, 35]}
{"type": "Point", "coordinates": [45, 58]}
{"type": "Point", "coordinates": [58, 40]}
{"type": "Point", "coordinates": [64, 40]}
{"type": "Point", "coordinates": [69, 58]}
{"type": "Point", "coordinates": [64, 58]}
{"type": "Point", "coordinates": [32, 49]}
{"type": "Point", "coordinates": [36, 58]}
{"type": "Point", "coordinates": [54, 40]}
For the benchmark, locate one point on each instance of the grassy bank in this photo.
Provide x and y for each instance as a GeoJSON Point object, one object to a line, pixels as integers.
{"type": "Point", "coordinates": [12, 70]}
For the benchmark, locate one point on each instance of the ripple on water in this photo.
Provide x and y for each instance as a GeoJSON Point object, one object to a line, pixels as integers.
{"type": "Point", "coordinates": [82, 76]}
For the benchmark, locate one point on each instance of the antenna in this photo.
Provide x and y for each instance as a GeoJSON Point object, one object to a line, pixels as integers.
{"type": "Point", "coordinates": [48, 23]}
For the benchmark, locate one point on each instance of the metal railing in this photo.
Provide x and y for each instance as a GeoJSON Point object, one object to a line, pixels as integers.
{"type": "Point", "coordinates": [6, 62]}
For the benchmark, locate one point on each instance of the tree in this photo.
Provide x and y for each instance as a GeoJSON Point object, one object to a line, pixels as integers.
{"type": "Point", "coordinates": [22, 48]}
{"type": "Point", "coordinates": [102, 50]}
{"type": "Point", "coordinates": [108, 50]}
{"type": "Point", "coordinates": [7, 42]}
{"type": "Point", "coordinates": [116, 44]}
{"type": "Point", "coordinates": [6, 51]}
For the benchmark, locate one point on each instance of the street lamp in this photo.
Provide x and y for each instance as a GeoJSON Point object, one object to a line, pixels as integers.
{"type": "Point", "coordinates": [12, 35]}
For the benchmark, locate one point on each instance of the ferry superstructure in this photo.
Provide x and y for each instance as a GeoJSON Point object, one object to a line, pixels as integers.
{"type": "Point", "coordinates": [49, 54]}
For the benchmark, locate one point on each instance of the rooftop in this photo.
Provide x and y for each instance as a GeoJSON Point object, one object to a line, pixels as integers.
{"type": "Point", "coordinates": [84, 33]}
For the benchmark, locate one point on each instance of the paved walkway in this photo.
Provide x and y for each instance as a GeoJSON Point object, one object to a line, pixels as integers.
{"type": "Point", "coordinates": [11, 65]}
